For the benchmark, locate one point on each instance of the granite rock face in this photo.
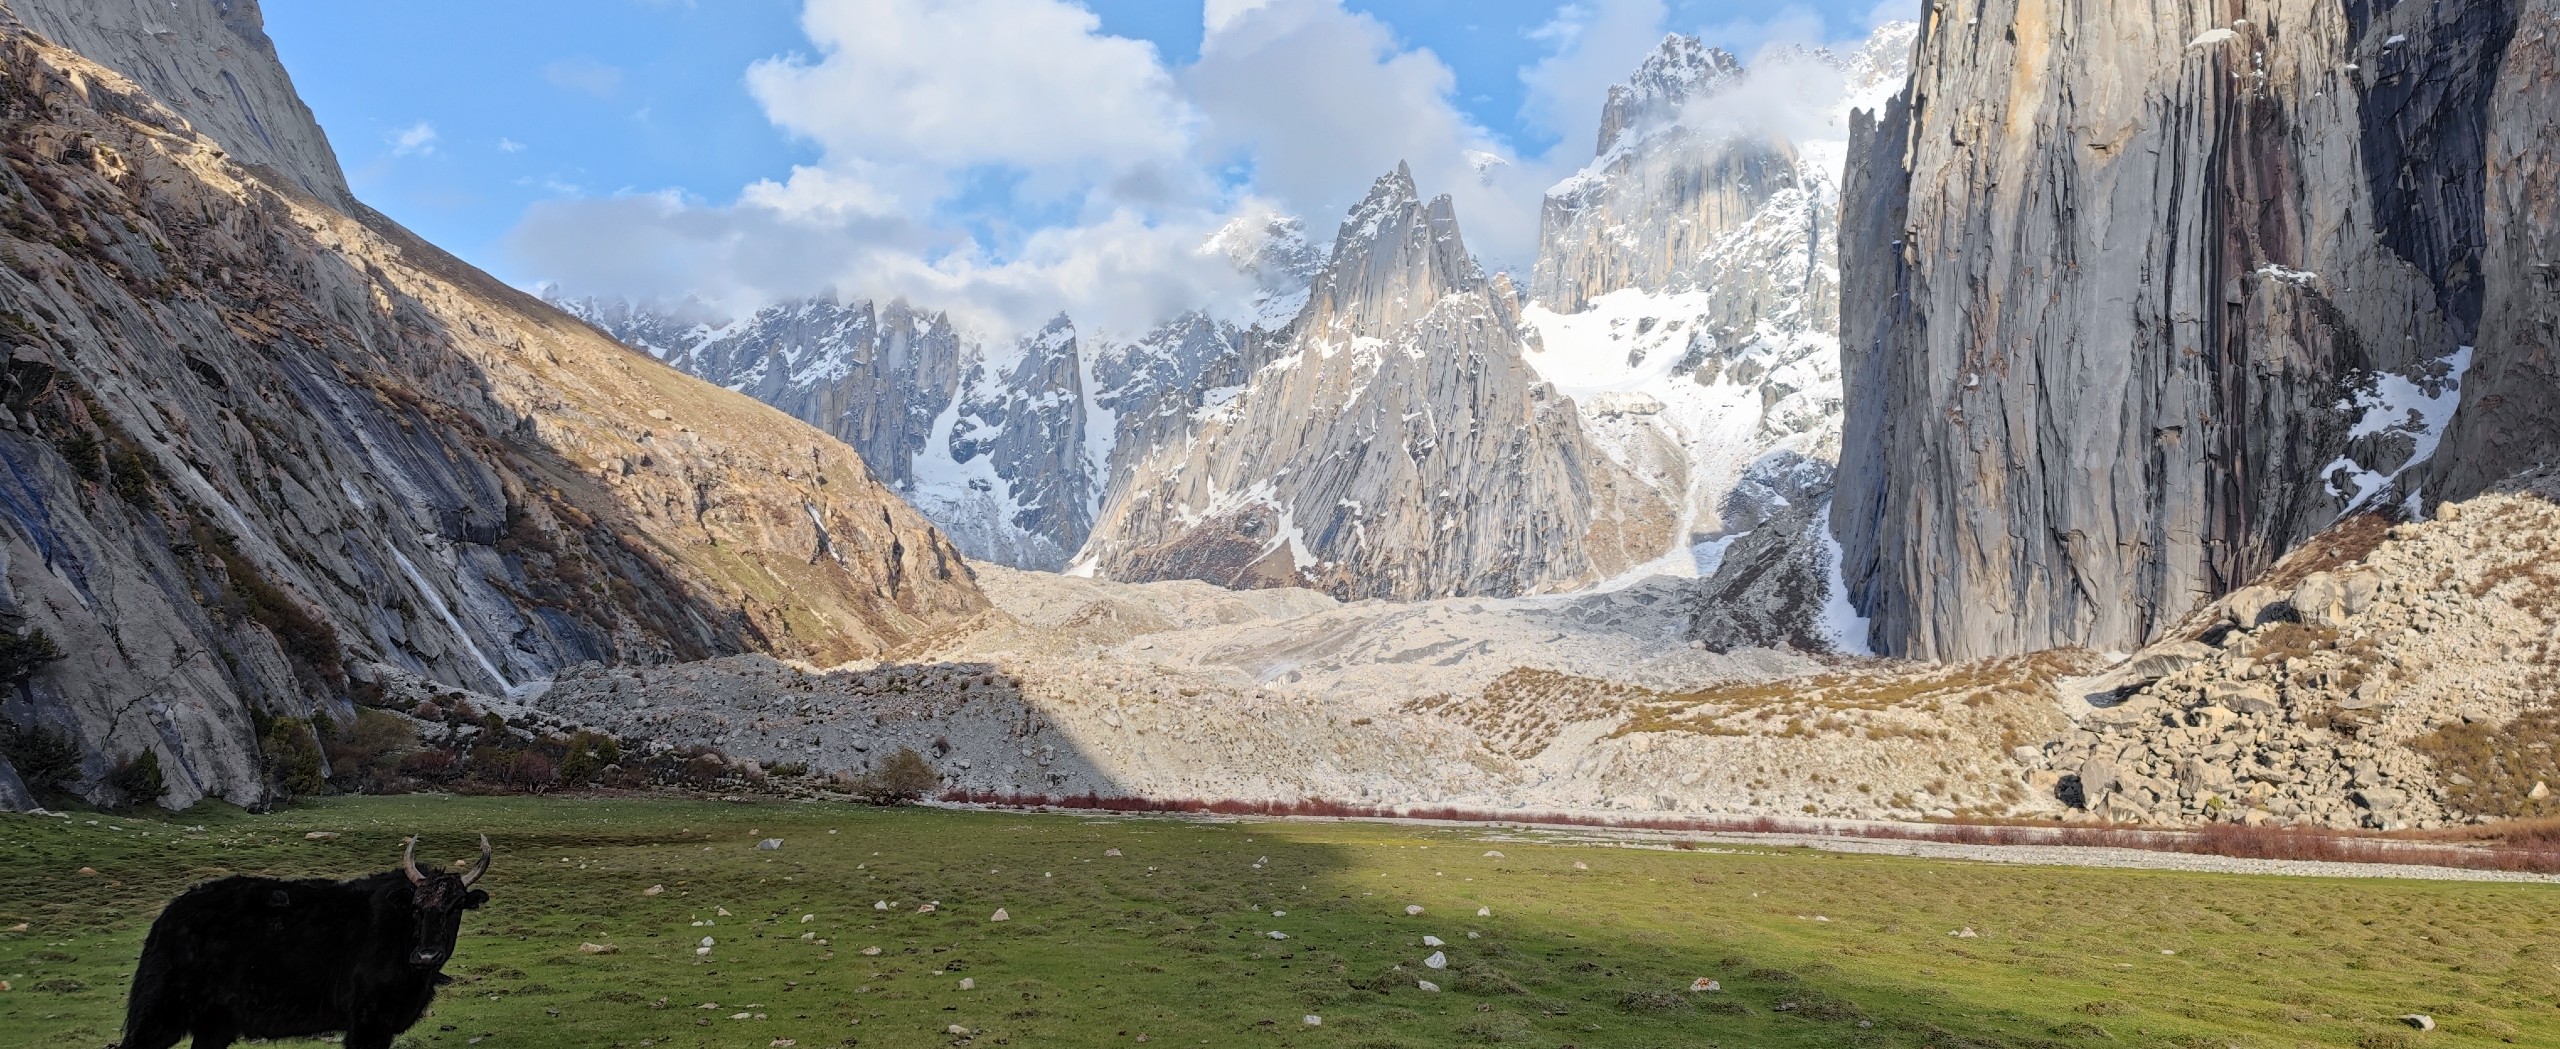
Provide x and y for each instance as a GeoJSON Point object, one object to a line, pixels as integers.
{"type": "Point", "coordinates": [2139, 296]}
{"type": "Point", "coordinates": [262, 449]}
{"type": "Point", "coordinates": [1394, 445]}
{"type": "Point", "coordinates": [2510, 417]}
{"type": "Point", "coordinates": [210, 62]}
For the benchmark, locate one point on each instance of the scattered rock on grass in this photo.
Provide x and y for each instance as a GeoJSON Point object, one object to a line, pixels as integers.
{"type": "Point", "coordinates": [871, 952]}
{"type": "Point", "coordinates": [1111, 852]}
{"type": "Point", "coordinates": [1000, 916]}
{"type": "Point", "coordinates": [968, 983]}
{"type": "Point", "coordinates": [1412, 910]}
{"type": "Point", "coordinates": [1313, 1020]}
{"type": "Point", "coordinates": [769, 844]}
{"type": "Point", "coordinates": [1428, 986]}
{"type": "Point", "coordinates": [320, 835]}
{"type": "Point", "coordinates": [1704, 984]}
{"type": "Point", "coordinates": [2420, 1021]}
{"type": "Point", "coordinates": [653, 890]}
{"type": "Point", "coordinates": [1438, 960]}
{"type": "Point", "coordinates": [1484, 912]}
{"type": "Point", "coordinates": [597, 948]}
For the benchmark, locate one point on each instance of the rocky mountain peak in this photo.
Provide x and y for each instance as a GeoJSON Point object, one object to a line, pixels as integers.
{"type": "Point", "coordinates": [1677, 70]}
{"type": "Point", "coordinates": [1395, 257]}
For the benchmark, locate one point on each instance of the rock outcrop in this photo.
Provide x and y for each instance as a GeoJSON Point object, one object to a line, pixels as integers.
{"type": "Point", "coordinates": [2384, 676]}
{"type": "Point", "coordinates": [2139, 296]}
{"type": "Point", "coordinates": [264, 451]}
{"type": "Point", "coordinates": [1395, 445]}
{"type": "Point", "coordinates": [211, 64]}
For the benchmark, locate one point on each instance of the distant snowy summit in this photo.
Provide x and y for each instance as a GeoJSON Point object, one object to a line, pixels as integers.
{"type": "Point", "coordinates": [1008, 445]}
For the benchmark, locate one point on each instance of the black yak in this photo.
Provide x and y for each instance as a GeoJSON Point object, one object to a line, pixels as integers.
{"type": "Point", "coordinates": [263, 958]}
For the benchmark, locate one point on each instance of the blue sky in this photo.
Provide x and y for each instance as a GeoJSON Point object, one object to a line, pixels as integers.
{"type": "Point", "coordinates": [648, 146]}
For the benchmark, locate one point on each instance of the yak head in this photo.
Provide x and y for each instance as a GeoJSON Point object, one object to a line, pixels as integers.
{"type": "Point", "coordinates": [436, 903]}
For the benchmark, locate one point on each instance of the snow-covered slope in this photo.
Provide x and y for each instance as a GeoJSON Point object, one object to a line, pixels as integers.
{"type": "Point", "coordinates": [1686, 291]}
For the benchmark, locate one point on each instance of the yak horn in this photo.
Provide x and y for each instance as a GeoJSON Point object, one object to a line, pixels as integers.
{"type": "Point", "coordinates": [409, 862]}
{"type": "Point", "coordinates": [483, 868]}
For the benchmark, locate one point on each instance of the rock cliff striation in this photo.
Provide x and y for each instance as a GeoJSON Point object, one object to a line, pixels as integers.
{"type": "Point", "coordinates": [266, 450]}
{"type": "Point", "coordinates": [2139, 296]}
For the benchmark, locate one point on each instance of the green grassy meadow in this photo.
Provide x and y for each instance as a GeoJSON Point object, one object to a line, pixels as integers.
{"type": "Point", "coordinates": [1169, 941]}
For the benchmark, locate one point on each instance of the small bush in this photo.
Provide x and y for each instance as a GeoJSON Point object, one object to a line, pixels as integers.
{"type": "Point", "coordinates": [292, 754]}
{"type": "Point", "coordinates": [22, 655]}
{"type": "Point", "coordinates": [48, 762]}
{"type": "Point", "coordinates": [137, 781]}
{"type": "Point", "coordinates": [365, 756]}
{"type": "Point", "coordinates": [433, 766]}
{"type": "Point", "coordinates": [586, 756]}
{"type": "Point", "coordinates": [901, 780]}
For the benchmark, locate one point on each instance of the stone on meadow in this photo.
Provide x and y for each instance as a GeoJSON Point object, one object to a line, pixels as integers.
{"type": "Point", "coordinates": [653, 890]}
{"type": "Point", "coordinates": [968, 983]}
{"type": "Point", "coordinates": [880, 906]}
{"type": "Point", "coordinates": [1493, 854]}
{"type": "Point", "coordinates": [1000, 916]}
{"type": "Point", "coordinates": [1428, 986]}
{"type": "Point", "coordinates": [1312, 1020]}
{"type": "Point", "coordinates": [1277, 934]}
{"type": "Point", "coordinates": [1581, 866]}
{"type": "Point", "coordinates": [807, 918]}
{"type": "Point", "coordinates": [1704, 984]}
{"type": "Point", "coordinates": [597, 948]}
{"type": "Point", "coordinates": [320, 835]}
{"type": "Point", "coordinates": [1412, 910]}
{"type": "Point", "coordinates": [1484, 912]}
{"type": "Point", "coordinates": [1111, 852]}
{"type": "Point", "coordinates": [1438, 960]}
{"type": "Point", "coordinates": [871, 952]}
{"type": "Point", "coordinates": [769, 844]}
{"type": "Point", "coordinates": [1431, 941]}
{"type": "Point", "coordinates": [2420, 1021]}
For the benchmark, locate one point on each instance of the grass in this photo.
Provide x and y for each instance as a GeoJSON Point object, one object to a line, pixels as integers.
{"type": "Point", "coordinates": [1170, 940]}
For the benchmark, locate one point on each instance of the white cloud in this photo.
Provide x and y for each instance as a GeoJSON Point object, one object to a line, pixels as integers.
{"type": "Point", "coordinates": [585, 75]}
{"type": "Point", "coordinates": [509, 145]}
{"type": "Point", "coordinates": [912, 92]}
{"type": "Point", "coordinates": [1592, 45]}
{"type": "Point", "coordinates": [1355, 103]}
{"type": "Point", "coordinates": [942, 127]}
{"type": "Point", "coordinates": [417, 139]}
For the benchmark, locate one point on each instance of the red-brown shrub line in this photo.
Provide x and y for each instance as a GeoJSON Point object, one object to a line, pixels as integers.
{"type": "Point", "coordinates": [2524, 848]}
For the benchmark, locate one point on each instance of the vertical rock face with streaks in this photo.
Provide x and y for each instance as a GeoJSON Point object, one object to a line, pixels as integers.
{"type": "Point", "coordinates": [263, 450]}
{"type": "Point", "coordinates": [2510, 415]}
{"type": "Point", "coordinates": [2137, 296]}
{"type": "Point", "coordinates": [1394, 445]}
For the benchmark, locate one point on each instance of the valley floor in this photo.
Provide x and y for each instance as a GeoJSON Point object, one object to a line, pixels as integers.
{"type": "Point", "coordinates": [1546, 940]}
